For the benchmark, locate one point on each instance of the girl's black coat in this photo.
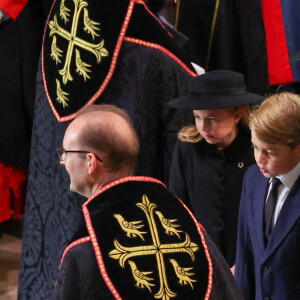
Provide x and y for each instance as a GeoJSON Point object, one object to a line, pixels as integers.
{"type": "Point", "coordinates": [210, 181]}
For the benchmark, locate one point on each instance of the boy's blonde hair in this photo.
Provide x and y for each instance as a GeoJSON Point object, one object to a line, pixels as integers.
{"type": "Point", "coordinates": [277, 120]}
{"type": "Point", "coordinates": [191, 134]}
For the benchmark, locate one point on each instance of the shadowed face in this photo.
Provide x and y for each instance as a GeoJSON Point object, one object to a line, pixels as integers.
{"type": "Point", "coordinates": [217, 126]}
{"type": "Point", "coordinates": [274, 159]}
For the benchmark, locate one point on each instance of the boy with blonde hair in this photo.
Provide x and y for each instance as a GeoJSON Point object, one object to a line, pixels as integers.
{"type": "Point", "coordinates": [268, 246]}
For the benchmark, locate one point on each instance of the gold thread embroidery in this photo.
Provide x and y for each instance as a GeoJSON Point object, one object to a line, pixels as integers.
{"type": "Point", "coordinates": [141, 279]}
{"type": "Point", "coordinates": [131, 228]}
{"type": "Point", "coordinates": [183, 274]}
{"type": "Point", "coordinates": [61, 95]}
{"type": "Point", "coordinates": [169, 225]}
{"type": "Point", "coordinates": [210, 265]}
{"type": "Point", "coordinates": [64, 11]}
{"type": "Point", "coordinates": [90, 27]}
{"type": "Point", "coordinates": [122, 253]}
{"type": "Point", "coordinates": [56, 53]}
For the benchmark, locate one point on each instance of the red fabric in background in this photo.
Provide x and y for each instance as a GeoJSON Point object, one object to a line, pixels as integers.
{"type": "Point", "coordinates": [13, 187]}
{"type": "Point", "coordinates": [12, 7]}
{"type": "Point", "coordinates": [278, 57]}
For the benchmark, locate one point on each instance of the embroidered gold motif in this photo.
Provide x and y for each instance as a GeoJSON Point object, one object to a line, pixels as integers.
{"type": "Point", "coordinates": [82, 67]}
{"type": "Point", "coordinates": [122, 253]}
{"type": "Point", "coordinates": [168, 224]}
{"type": "Point", "coordinates": [131, 228]}
{"type": "Point", "coordinates": [61, 95]}
{"type": "Point", "coordinates": [140, 277]}
{"type": "Point", "coordinates": [183, 274]}
{"type": "Point", "coordinates": [64, 11]}
{"type": "Point", "coordinates": [90, 27]}
{"type": "Point", "coordinates": [55, 51]}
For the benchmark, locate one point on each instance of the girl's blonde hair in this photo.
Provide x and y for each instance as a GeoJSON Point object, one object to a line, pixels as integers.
{"type": "Point", "coordinates": [191, 134]}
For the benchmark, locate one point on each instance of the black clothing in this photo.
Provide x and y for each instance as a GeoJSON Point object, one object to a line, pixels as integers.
{"type": "Point", "coordinates": [144, 81]}
{"type": "Point", "coordinates": [210, 182]}
{"type": "Point", "coordinates": [84, 275]}
{"type": "Point", "coordinates": [20, 45]}
{"type": "Point", "coordinates": [238, 41]}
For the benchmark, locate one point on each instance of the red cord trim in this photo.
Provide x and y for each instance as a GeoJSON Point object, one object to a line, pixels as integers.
{"type": "Point", "coordinates": [72, 245]}
{"type": "Point", "coordinates": [210, 265]}
{"type": "Point", "coordinates": [43, 68]}
{"type": "Point", "coordinates": [153, 15]}
{"type": "Point", "coordinates": [166, 51]}
{"type": "Point", "coordinates": [98, 254]}
{"type": "Point", "coordinates": [120, 181]}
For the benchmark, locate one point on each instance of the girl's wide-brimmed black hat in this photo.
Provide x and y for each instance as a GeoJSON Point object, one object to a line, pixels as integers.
{"type": "Point", "coordinates": [215, 90]}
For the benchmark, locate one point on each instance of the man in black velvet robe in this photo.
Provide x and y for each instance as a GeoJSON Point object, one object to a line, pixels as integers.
{"type": "Point", "coordinates": [138, 240]}
{"type": "Point", "coordinates": [146, 75]}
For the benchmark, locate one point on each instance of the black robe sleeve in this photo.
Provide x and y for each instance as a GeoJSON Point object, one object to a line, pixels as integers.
{"type": "Point", "coordinates": [79, 276]}
{"type": "Point", "coordinates": [224, 284]}
{"type": "Point", "coordinates": [177, 184]}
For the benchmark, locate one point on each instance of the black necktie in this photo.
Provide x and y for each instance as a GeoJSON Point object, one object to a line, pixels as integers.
{"type": "Point", "coordinates": [270, 207]}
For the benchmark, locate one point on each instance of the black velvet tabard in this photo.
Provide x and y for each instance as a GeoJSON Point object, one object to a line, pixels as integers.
{"type": "Point", "coordinates": [146, 244]}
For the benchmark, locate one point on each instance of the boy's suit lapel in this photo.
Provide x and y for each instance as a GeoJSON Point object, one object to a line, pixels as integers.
{"type": "Point", "coordinates": [259, 195]}
{"type": "Point", "coordinates": [288, 215]}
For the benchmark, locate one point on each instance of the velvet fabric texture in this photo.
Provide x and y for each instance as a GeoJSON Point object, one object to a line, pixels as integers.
{"type": "Point", "coordinates": [140, 214]}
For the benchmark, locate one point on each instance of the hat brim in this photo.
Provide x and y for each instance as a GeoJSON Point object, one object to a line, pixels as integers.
{"type": "Point", "coordinates": [215, 101]}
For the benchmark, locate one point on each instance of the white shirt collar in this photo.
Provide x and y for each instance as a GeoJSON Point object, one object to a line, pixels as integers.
{"type": "Point", "coordinates": [290, 178]}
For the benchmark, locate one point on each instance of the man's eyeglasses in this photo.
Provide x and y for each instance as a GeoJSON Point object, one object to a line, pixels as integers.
{"type": "Point", "coordinates": [60, 152]}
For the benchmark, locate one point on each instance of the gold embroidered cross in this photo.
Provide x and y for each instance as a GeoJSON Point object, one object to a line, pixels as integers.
{"type": "Point", "coordinates": [122, 254]}
{"type": "Point", "coordinates": [90, 27]}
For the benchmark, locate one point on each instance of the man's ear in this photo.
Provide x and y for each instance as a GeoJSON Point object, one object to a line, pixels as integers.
{"type": "Point", "coordinates": [92, 163]}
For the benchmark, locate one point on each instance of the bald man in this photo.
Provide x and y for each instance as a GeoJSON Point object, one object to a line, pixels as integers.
{"type": "Point", "coordinates": [101, 160]}
{"type": "Point", "coordinates": [139, 241]}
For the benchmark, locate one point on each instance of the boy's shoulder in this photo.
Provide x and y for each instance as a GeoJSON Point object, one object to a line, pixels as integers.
{"type": "Point", "coordinates": [253, 174]}
{"type": "Point", "coordinates": [252, 170]}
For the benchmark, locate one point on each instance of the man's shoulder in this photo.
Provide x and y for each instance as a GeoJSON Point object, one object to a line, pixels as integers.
{"type": "Point", "coordinates": [77, 249]}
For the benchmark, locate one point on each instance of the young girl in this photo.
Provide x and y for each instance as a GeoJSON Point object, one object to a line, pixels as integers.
{"type": "Point", "coordinates": [212, 156]}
